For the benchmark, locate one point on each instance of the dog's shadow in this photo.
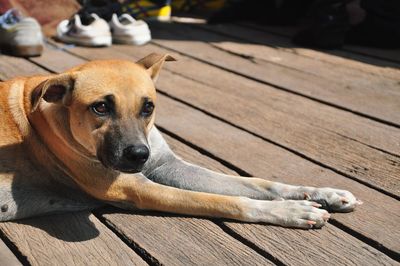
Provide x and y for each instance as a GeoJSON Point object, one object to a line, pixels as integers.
{"type": "Point", "coordinates": [69, 227]}
{"type": "Point", "coordinates": [26, 191]}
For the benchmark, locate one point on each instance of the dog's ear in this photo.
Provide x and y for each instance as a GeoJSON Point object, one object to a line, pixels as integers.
{"type": "Point", "coordinates": [153, 63]}
{"type": "Point", "coordinates": [57, 89]}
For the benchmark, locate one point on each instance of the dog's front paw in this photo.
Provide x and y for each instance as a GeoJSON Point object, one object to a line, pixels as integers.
{"type": "Point", "coordinates": [289, 213]}
{"type": "Point", "coordinates": [331, 199]}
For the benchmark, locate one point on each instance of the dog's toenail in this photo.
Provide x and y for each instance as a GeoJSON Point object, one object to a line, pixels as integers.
{"type": "Point", "coordinates": [311, 223]}
{"type": "Point", "coordinates": [344, 199]}
{"type": "Point", "coordinates": [4, 208]}
{"type": "Point", "coordinates": [306, 196]}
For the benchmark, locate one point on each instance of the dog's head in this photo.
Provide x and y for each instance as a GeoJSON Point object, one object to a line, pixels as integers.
{"type": "Point", "coordinates": [105, 109]}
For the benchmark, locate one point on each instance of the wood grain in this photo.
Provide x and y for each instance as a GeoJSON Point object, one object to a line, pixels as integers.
{"type": "Point", "coordinates": [184, 241]}
{"type": "Point", "coordinates": [295, 247]}
{"type": "Point", "coordinates": [69, 239]}
{"type": "Point", "coordinates": [276, 51]}
{"type": "Point", "coordinates": [340, 58]}
{"type": "Point", "coordinates": [13, 67]}
{"type": "Point", "coordinates": [337, 91]}
{"type": "Point", "coordinates": [6, 256]}
{"type": "Point", "coordinates": [328, 246]}
{"type": "Point", "coordinates": [279, 50]}
{"type": "Point", "coordinates": [53, 56]}
{"type": "Point", "coordinates": [377, 219]}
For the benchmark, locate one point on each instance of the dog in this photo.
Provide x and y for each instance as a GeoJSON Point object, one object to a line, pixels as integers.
{"type": "Point", "coordinates": [86, 137]}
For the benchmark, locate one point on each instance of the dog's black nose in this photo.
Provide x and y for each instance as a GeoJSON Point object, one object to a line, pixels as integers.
{"type": "Point", "coordinates": [139, 153]}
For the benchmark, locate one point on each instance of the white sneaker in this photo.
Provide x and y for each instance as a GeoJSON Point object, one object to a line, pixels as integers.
{"type": "Point", "coordinates": [97, 33]}
{"type": "Point", "coordinates": [125, 29]}
{"type": "Point", "coordinates": [20, 36]}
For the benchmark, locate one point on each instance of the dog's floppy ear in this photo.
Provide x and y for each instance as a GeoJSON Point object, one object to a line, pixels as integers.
{"type": "Point", "coordinates": [57, 89]}
{"type": "Point", "coordinates": [153, 63]}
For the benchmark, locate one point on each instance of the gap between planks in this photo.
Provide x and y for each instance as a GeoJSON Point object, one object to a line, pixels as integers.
{"type": "Point", "coordinates": [9, 254]}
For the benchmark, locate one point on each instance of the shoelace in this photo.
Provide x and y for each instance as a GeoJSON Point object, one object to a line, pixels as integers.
{"type": "Point", "coordinates": [11, 17]}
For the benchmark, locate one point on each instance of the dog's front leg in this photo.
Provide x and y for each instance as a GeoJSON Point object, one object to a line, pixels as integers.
{"type": "Point", "coordinates": [183, 175]}
{"type": "Point", "coordinates": [166, 168]}
{"type": "Point", "coordinates": [137, 190]}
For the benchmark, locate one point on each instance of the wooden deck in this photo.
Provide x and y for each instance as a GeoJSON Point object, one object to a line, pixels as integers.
{"type": "Point", "coordinates": [242, 100]}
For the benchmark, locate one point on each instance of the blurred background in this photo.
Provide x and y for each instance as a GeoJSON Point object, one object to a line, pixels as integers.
{"type": "Point", "coordinates": [320, 23]}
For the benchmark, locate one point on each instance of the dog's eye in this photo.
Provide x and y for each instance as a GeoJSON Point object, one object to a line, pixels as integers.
{"type": "Point", "coordinates": [147, 109]}
{"type": "Point", "coordinates": [100, 108]}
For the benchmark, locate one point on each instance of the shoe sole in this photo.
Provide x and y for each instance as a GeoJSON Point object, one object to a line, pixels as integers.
{"type": "Point", "coordinates": [131, 40]}
{"type": "Point", "coordinates": [93, 42]}
{"type": "Point", "coordinates": [23, 50]}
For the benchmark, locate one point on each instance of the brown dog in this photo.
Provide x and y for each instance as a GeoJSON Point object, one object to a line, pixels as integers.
{"type": "Point", "coordinates": [89, 131]}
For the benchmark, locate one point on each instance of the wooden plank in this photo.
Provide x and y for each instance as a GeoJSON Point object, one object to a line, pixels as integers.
{"type": "Point", "coordinates": [361, 99]}
{"type": "Point", "coordinates": [352, 51]}
{"type": "Point", "coordinates": [52, 56]}
{"type": "Point", "coordinates": [262, 159]}
{"type": "Point", "coordinates": [69, 239]}
{"type": "Point", "coordinates": [325, 131]}
{"type": "Point", "coordinates": [290, 168]}
{"type": "Point", "coordinates": [15, 66]}
{"type": "Point", "coordinates": [184, 241]}
{"type": "Point", "coordinates": [329, 245]}
{"type": "Point", "coordinates": [187, 244]}
{"type": "Point", "coordinates": [363, 63]}
{"type": "Point", "coordinates": [6, 256]}
{"type": "Point", "coordinates": [249, 43]}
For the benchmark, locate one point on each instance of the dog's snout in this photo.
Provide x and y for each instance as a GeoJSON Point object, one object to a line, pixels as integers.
{"type": "Point", "coordinates": [138, 153]}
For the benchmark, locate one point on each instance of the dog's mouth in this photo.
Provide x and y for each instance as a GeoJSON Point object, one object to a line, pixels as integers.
{"type": "Point", "coordinates": [129, 170]}
{"type": "Point", "coordinates": [122, 167]}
